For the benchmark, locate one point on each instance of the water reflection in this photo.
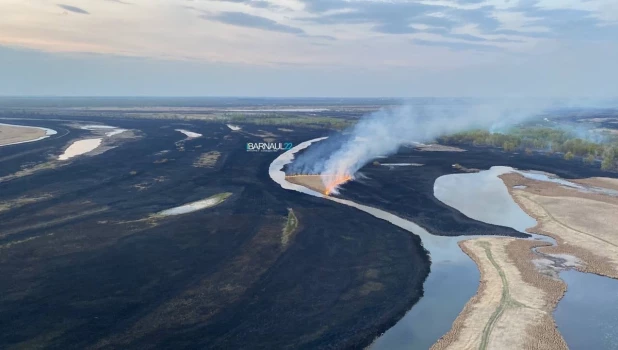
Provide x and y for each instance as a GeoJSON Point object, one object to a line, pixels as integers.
{"type": "Point", "coordinates": [483, 196]}
{"type": "Point", "coordinates": [587, 315]}
{"type": "Point", "coordinates": [451, 270]}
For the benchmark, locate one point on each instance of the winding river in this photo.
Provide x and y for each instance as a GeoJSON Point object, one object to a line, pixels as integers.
{"type": "Point", "coordinates": [481, 196]}
{"type": "Point", "coordinates": [451, 269]}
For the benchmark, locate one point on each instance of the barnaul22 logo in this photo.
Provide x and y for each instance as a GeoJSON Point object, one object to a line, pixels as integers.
{"type": "Point", "coordinates": [268, 146]}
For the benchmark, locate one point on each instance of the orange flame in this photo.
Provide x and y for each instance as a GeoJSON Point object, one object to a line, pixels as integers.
{"type": "Point", "coordinates": [336, 181]}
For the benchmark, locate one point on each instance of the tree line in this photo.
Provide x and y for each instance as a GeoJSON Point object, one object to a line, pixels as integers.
{"type": "Point", "coordinates": [541, 139]}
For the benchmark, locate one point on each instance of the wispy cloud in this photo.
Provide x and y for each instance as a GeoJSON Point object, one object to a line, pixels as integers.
{"type": "Point", "coordinates": [74, 9]}
{"type": "Point", "coordinates": [250, 21]}
{"type": "Point", "coordinates": [336, 33]}
{"type": "Point", "coordinates": [456, 46]}
{"type": "Point", "coordinates": [120, 2]}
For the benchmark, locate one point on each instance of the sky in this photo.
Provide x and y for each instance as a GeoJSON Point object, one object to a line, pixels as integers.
{"type": "Point", "coordinates": [314, 48]}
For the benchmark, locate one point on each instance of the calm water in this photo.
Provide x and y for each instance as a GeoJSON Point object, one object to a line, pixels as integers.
{"type": "Point", "coordinates": [451, 270]}
{"type": "Point", "coordinates": [587, 315]}
{"type": "Point", "coordinates": [448, 288]}
{"type": "Point", "coordinates": [483, 196]}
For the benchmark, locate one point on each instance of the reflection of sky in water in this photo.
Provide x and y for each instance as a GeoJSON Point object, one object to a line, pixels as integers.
{"type": "Point", "coordinates": [451, 270]}
{"type": "Point", "coordinates": [484, 197]}
{"type": "Point", "coordinates": [546, 178]}
{"type": "Point", "coordinates": [441, 248]}
{"type": "Point", "coordinates": [587, 316]}
{"type": "Point", "coordinates": [594, 301]}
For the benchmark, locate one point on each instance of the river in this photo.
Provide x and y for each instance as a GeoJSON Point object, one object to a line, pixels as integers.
{"type": "Point", "coordinates": [484, 197]}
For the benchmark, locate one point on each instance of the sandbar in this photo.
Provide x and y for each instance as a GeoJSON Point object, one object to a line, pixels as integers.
{"type": "Point", "coordinates": [14, 134]}
{"type": "Point", "coordinates": [513, 305]}
{"type": "Point", "coordinates": [195, 206]}
{"type": "Point", "coordinates": [583, 223]}
{"type": "Point", "coordinates": [189, 134]}
{"type": "Point", "coordinates": [313, 182]}
{"type": "Point", "coordinates": [80, 147]}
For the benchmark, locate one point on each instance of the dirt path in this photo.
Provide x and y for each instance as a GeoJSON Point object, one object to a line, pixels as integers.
{"type": "Point", "coordinates": [505, 301]}
{"type": "Point", "coordinates": [512, 296]}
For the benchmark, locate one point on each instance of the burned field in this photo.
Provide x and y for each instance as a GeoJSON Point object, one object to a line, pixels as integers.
{"type": "Point", "coordinates": [86, 263]}
{"type": "Point", "coordinates": [83, 263]}
{"type": "Point", "coordinates": [408, 191]}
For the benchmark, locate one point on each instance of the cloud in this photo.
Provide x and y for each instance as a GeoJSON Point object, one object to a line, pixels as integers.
{"type": "Point", "coordinates": [242, 19]}
{"type": "Point", "coordinates": [74, 9]}
{"type": "Point", "coordinates": [456, 46]}
{"type": "Point", "coordinates": [253, 3]}
{"type": "Point", "coordinates": [337, 34]}
{"type": "Point", "coordinates": [529, 18]}
{"type": "Point", "coordinates": [473, 38]}
{"type": "Point", "coordinates": [120, 2]}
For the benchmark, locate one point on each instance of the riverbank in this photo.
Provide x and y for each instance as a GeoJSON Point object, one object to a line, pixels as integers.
{"type": "Point", "coordinates": [13, 134]}
{"type": "Point", "coordinates": [582, 222]}
{"type": "Point", "coordinates": [512, 295]}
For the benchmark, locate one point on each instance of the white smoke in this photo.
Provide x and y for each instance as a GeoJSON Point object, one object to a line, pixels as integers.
{"type": "Point", "coordinates": [383, 132]}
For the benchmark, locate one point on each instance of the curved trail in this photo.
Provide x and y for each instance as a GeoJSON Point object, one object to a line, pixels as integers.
{"type": "Point", "coordinates": [569, 227]}
{"type": "Point", "coordinates": [506, 299]}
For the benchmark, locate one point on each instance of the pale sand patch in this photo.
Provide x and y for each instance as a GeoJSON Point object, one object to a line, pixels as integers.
{"type": "Point", "coordinates": [112, 129]}
{"type": "Point", "coordinates": [313, 182]}
{"type": "Point", "coordinates": [195, 206]}
{"type": "Point", "coordinates": [11, 134]}
{"type": "Point", "coordinates": [80, 147]}
{"type": "Point", "coordinates": [189, 134]}
{"type": "Point", "coordinates": [513, 303]}
{"type": "Point", "coordinates": [583, 224]}
{"type": "Point", "coordinates": [115, 132]}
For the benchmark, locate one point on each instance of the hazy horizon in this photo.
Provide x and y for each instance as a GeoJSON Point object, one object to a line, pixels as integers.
{"type": "Point", "coordinates": [313, 48]}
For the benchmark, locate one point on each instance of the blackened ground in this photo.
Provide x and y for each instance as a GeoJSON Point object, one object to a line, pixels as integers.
{"type": "Point", "coordinates": [408, 190]}
{"type": "Point", "coordinates": [80, 268]}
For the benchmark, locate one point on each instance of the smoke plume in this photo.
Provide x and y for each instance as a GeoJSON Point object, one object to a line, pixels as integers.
{"type": "Point", "coordinates": [381, 133]}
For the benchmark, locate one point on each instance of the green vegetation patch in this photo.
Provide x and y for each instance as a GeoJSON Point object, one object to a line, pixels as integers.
{"type": "Point", "coordinates": [545, 139]}
{"type": "Point", "coordinates": [291, 225]}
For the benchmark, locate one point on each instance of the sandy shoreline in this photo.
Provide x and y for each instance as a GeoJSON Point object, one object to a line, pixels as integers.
{"type": "Point", "coordinates": [313, 182]}
{"type": "Point", "coordinates": [512, 295]}
{"type": "Point", "coordinates": [14, 134]}
{"type": "Point", "coordinates": [582, 223]}
{"type": "Point", "coordinates": [519, 289]}
{"type": "Point", "coordinates": [80, 147]}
